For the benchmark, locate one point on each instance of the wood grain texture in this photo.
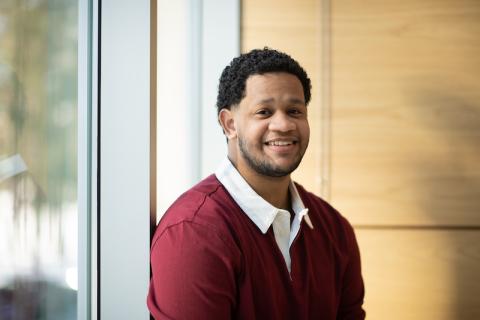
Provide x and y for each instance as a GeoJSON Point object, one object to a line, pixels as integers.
{"type": "Point", "coordinates": [405, 139]}
{"type": "Point", "coordinates": [294, 28]}
{"type": "Point", "coordinates": [406, 112]}
{"type": "Point", "coordinates": [412, 274]}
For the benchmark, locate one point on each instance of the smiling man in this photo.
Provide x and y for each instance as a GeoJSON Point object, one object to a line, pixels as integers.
{"type": "Point", "coordinates": [248, 242]}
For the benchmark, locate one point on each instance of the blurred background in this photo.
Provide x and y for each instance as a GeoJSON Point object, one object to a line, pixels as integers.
{"type": "Point", "coordinates": [38, 159]}
{"type": "Point", "coordinates": [395, 137]}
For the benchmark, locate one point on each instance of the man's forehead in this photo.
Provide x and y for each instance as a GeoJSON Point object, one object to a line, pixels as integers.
{"type": "Point", "coordinates": [289, 99]}
{"type": "Point", "coordinates": [269, 75]}
{"type": "Point", "coordinates": [266, 87]}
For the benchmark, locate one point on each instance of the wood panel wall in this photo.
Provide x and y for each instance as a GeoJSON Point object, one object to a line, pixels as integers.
{"type": "Point", "coordinates": [406, 111]}
{"type": "Point", "coordinates": [395, 145]}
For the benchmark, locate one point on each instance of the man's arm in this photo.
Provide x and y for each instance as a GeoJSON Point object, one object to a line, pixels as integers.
{"type": "Point", "coordinates": [193, 274]}
{"type": "Point", "coordinates": [353, 290]}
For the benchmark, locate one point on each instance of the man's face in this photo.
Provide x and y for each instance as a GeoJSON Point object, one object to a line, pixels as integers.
{"type": "Point", "coordinates": [271, 125]}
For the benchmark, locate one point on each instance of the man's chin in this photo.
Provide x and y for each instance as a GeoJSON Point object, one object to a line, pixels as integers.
{"type": "Point", "coordinates": [277, 170]}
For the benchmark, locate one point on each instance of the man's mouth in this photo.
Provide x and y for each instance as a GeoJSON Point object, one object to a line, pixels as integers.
{"type": "Point", "coordinates": [281, 143]}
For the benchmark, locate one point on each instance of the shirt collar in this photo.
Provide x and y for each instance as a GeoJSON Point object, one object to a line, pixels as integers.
{"type": "Point", "coordinates": [261, 212]}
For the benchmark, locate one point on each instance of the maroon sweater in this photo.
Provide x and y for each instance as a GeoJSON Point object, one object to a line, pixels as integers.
{"type": "Point", "coordinates": [210, 261]}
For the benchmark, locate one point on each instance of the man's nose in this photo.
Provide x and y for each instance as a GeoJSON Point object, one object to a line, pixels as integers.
{"type": "Point", "coordinates": [281, 122]}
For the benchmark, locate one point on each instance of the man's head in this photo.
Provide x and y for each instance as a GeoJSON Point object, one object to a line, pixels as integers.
{"type": "Point", "coordinates": [231, 88]}
{"type": "Point", "coordinates": [262, 109]}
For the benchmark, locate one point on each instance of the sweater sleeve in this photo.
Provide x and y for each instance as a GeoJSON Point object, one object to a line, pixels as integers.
{"type": "Point", "coordinates": [353, 291]}
{"type": "Point", "coordinates": [193, 274]}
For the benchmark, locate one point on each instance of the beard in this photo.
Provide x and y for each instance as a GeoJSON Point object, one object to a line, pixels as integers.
{"type": "Point", "coordinates": [265, 167]}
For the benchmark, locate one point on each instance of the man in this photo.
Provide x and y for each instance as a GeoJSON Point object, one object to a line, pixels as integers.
{"type": "Point", "coordinates": [247, 242]}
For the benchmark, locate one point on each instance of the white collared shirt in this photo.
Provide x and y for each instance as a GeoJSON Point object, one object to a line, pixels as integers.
{"type": "Point", "coordinates": [261, 212]}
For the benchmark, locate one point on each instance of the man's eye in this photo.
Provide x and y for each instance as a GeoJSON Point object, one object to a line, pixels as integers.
{"type": "Point", "coordinates": [295, 112]}
{"type": "Point", "coordinates": [263, 112]}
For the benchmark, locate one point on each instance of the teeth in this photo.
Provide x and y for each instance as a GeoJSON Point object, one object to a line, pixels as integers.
{"type": "Point", "coordinates": [280, 143]}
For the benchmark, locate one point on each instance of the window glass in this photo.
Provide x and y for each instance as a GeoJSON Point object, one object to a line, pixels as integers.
{"type": "Point", "coordinates": [38, 155]}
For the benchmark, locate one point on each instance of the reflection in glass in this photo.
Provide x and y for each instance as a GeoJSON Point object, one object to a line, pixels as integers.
{"type": "Point", "coordinates": [38, 134]}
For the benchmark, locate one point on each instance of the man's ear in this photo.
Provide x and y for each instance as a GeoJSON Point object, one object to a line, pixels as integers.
{"type": "Point", "coordinates": [225, 117]}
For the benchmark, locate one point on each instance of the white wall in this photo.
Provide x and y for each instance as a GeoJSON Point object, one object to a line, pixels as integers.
{"type": "Point", "coordinates": [196, 40]}
{"type": "Point", "coordinates": [124, 163]}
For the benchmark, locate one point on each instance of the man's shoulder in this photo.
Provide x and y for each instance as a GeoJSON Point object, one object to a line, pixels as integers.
{"type": "Point", "coordinates": [204, 204]}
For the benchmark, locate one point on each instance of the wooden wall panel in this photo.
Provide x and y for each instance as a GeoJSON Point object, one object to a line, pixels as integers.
{"type": "Point", "coordinates": [404, 143]}
{"type": "Point", "coordinates": [406, 111]}
{"type": "Point", "coordinates": [421, 274]}
{"type": "Point", "coordinates": [292, 27]}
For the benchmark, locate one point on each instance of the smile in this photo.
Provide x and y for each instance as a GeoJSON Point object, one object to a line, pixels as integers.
{"type": "Point", "coordinates": [280, 143]}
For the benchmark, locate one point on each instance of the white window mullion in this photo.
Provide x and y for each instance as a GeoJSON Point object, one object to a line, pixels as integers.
{"type": "Point", "coordinates": [124, 159]}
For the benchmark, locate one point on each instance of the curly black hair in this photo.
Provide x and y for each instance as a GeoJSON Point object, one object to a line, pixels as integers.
{"type": "Point", "coordinates": [231, 89]}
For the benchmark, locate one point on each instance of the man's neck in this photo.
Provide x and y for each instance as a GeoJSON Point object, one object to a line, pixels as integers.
{"type": "Point", "coordinates": [273, 189]}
